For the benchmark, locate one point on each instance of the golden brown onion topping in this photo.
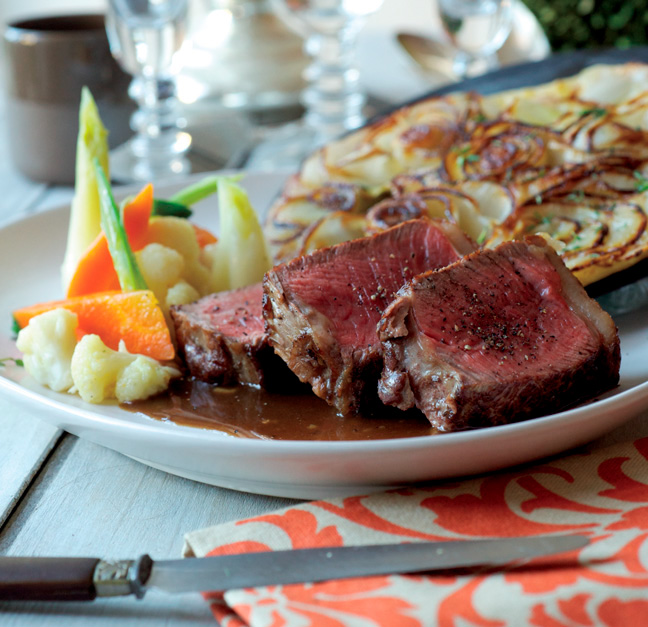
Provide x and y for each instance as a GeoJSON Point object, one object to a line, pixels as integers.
{"type": "Point", "coordinates": [567, 160]}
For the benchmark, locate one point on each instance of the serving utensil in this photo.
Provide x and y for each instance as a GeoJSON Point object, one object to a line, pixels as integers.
{"type": "Point", "coordinates": [430, 55]}
{"type": "Point", "coordinates": [84, 579]}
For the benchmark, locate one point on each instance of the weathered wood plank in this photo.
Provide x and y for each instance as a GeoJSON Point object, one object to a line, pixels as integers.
{"type": "Point", "coordinates": [102, 500]}
{"type": "Point", "coordinates": [155, 610]}
{"type": "Point", "coordinates": [25, 442]}
{"type": "Point", "coordinates": [94, 502]}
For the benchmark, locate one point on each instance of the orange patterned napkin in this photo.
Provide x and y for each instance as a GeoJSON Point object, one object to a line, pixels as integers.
{"type": "Point", "coordinates": [599, 492]}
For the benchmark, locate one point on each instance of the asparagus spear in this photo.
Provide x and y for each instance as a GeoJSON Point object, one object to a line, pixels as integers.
{"type": "Point", "coordinates": [128, 272]}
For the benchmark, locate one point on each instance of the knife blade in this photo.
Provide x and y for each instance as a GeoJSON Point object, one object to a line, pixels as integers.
{"type": "Point", "coordinates": [84, 579]}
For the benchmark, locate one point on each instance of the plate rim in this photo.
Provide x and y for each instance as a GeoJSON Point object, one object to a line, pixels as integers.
{"type": "Point", "coordinates": [634, 394]}
{"type": "Point", "coordinates": [190, 433]}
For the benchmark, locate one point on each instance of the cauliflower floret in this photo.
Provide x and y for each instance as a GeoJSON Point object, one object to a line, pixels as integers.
{"type": "Point", "coordinates": [47, 344]}
{"type": "Point", "coordinates": [181, 293]}
{"type": "Point", "coordinates": [179, 234]}
{"type": "Point", "coordinates": [100, 373]}
{"type": "Point", "coordinates": [142, 378]}
{"type": "Point", "coordinates": [163, 268]}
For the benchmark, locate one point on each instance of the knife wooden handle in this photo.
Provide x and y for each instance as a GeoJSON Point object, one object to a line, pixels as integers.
{"type": "Point", "coordinates": [47, 578]}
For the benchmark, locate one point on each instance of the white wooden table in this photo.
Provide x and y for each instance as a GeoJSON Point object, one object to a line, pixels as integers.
{"type": "Point", "coordinates": [60, 495]}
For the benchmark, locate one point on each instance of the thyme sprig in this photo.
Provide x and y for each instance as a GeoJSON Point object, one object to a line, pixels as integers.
{"type": "Point", "coordinates": [5, 360]}
{"type": "Point", "coordinates": [642, 182]}
{"type": "Point", "coordinates": [597, 112]}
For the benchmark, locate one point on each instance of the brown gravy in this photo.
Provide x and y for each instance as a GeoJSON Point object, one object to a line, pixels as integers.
{"type": "Point", "coordinates": [250, 412]}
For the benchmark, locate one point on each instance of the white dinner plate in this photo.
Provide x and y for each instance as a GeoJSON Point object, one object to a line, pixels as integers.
{"type": "Point", "coordinates": [31, 251]}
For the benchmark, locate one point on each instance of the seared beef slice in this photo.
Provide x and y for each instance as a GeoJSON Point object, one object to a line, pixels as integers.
{"type": "Point", "coordinates": [222, 337]}
{"type": "Point", "coordinates": [321, 310]}
{"type": "Point", "coordinates": [500, 336]}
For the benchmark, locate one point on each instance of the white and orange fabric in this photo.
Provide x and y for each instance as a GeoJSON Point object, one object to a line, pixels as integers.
{"type": "Point", "coordinates": [600, 492]}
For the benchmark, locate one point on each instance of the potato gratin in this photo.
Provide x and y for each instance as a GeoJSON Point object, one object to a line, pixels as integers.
{"type": "Point", "coordinates": [567, 160]}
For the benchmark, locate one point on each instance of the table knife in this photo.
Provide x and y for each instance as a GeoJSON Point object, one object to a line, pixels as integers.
{"type": "Point", "coordinates": [84, 579]}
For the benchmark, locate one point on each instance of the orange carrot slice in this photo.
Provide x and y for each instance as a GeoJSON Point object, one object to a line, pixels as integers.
{"type": "Point", "coordinates": [135, 317]}
{"type": "Point", "coordinates": [136, 216]}
{"type": "Point", "coordinates": [203, 236]}
{"type": "Point", "coordinates": [95, 271]}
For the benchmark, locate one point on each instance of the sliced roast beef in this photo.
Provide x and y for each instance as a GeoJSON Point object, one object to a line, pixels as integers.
{"type": "Point", "coordinates": [222, 339]}
{"type": "Point", "coordinates": [321, 310]}
{"type": "Point", "coordinates": [500, 336]}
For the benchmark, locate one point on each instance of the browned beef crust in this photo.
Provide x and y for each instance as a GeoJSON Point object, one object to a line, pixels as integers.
{"type": "Point", "coordinates": [222, 339]}
{"type": "Point", "coordinates": [321, 310]}
{"type": "Point", "coordinates": [499, 336]}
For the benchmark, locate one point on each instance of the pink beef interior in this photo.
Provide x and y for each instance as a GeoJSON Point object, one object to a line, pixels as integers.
{"type": "Point", "coordinates": [352, 290]}
{"type": "Point", "coordinates": [506, 330]}
{"type": "Point", "coordinates": [236, 314]}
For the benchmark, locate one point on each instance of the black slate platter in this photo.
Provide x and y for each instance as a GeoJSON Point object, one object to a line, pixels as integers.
{"type": "Point", "coordinates": [537, 72]}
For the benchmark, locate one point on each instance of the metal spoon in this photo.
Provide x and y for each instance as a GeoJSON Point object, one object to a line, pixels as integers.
{"type": "Point", "coordinates": [430, 55]}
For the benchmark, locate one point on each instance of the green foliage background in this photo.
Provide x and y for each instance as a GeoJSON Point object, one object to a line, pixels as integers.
{"type": "Point", "coordinates": [573, 24]}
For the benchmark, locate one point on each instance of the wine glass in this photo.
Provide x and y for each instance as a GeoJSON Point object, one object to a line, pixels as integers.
{"type": "Point", "coordinates": [478, 29]}
{"type": "Point", "coordinates": [332, 99]}
{"type": "Point", "coordinates": [144, 37]}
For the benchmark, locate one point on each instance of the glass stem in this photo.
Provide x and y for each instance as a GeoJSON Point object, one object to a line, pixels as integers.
{"type": "Point", "coordinates": [333, 99]}
{"type": "Point", "coordinates": [491, 61]}
{"type": "Point", "coordinates": [465, 65]}
{"type": "Point", "coordinates": [156, 122]}
{"type": "Point", "coordinates": [461, 64]}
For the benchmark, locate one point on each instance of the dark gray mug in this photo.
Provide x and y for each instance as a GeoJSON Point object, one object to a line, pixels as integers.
{"type": "Point", "coordinates": [49, 60]}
